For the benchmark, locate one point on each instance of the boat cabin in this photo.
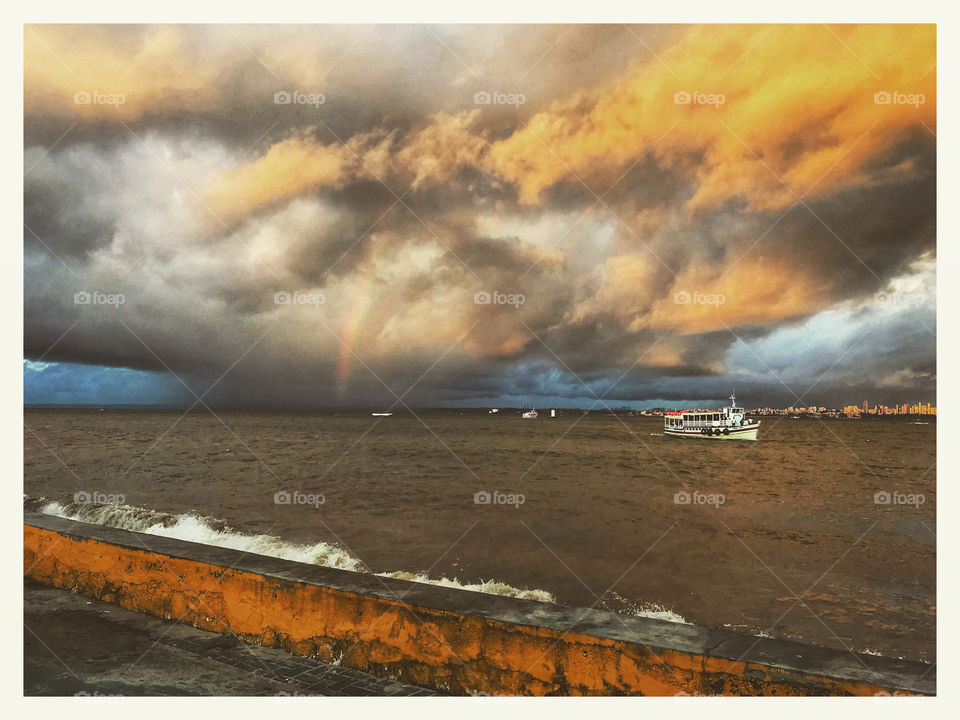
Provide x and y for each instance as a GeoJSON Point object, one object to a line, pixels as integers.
{"type": "Point", "coordinates": [731, 416]}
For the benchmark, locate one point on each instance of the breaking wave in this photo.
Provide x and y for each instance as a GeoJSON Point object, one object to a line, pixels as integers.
{"type": "Point", "coordinates": [648, 610]}
{"type": "Point", "coordinates": [210, 531]}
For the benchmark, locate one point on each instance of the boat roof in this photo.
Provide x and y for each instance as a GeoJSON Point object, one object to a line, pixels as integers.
{"type": "Point", "coordinates": [693, 412]}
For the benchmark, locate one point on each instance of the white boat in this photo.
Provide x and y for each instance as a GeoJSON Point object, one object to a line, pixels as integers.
{"type": "Point", "coordinates": [553, 413]}
{"type": "Point", "coordinates": [530, 415]}
{"type": "Point", "coordinates": [729, 423]}
{"type": "Point", "coordinates": [381, 414]}
{"type": "Point", "coordinates": [493, 410]}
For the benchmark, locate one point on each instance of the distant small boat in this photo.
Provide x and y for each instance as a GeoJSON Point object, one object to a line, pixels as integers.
{"type": "Point", "coordinates": [493, 410]}
{"type": "Point", "coordinates": [553, 413]}
{"type": "Point", "coordinates": [530, 415]}
{"type": "Point", "coordinates": [917, 422]}
{"type": "Point", "coordinates": [381, 414]}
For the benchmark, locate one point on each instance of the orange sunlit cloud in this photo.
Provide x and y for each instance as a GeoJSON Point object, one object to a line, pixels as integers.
{"type": "Point", "coordinates": [776, 112]}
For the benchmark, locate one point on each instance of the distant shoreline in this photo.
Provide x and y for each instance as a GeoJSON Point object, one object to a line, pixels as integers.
{"type": "Point", "coordinates": [482, 411]}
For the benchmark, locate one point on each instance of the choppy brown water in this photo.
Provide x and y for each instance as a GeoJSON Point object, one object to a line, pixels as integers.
{"type": "Point", "coordinates": [599, 524]}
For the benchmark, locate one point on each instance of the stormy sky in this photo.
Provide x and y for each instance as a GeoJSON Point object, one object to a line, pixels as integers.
{"type": "Point", "coordinates": [310, 216]}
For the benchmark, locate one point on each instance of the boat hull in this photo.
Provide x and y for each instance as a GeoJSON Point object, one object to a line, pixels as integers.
{"type": "Point", "coordinates": [746, 432]}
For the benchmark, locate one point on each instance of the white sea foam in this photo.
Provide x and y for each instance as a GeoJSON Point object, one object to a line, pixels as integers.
{"type": "Point", "coordinates": [649, 610]}
{"type": "Point", "coordinates": [658, 612]}
{"type": "Point", "coordinates": [210, 531]}
{"type": "Point", "coordinates": [491, 587]}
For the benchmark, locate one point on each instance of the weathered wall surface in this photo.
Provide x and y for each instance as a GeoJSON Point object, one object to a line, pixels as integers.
{"type": "Point", "coordinates": [444, 638]}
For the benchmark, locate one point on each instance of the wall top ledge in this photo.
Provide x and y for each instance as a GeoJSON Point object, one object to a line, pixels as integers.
{"type": "Point", "coordinates": [786, 655]}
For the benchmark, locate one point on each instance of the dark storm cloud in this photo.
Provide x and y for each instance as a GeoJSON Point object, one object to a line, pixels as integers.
{"type": "Point", "coordinates": [202, 202]}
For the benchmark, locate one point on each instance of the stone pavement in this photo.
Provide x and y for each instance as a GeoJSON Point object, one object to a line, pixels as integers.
{"type": "Point", "coordinates": [77, 646]}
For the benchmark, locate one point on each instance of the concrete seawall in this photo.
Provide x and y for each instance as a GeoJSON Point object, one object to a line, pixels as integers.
{"type": "Point", "coordinates": [444, 638]}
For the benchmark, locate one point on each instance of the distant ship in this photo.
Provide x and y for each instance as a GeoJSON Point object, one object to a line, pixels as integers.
{"type": "Point", "coordinates": [381, 414]}
{"type": "Point", "coordinates": [530, 415]}
{"type": "Point", "coordinates": [493, 410]}
{"type": "Point", "coordinates": [727, 423]}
